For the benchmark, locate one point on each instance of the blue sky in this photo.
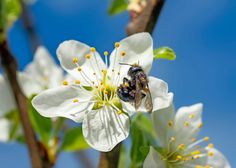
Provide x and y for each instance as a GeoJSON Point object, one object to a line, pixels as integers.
{"type": "Point", "coordinates": [202, 33]}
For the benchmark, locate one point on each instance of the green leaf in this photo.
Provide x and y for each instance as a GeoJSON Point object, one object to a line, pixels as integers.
{"type": "Point", "coordinates": [9, 11]}
{"type": "Point", "coordinates": [74, 140]}
{"type": "Point", "coordinates": [164, 53]}
{"type": "Point", "coordinates": [14, 120]}
{"type": "Point", "coordinates": [13, 11]}
{"type": "Point", "coordinates": [142, 136]}
{"type": "Point", "coordinates": [117, 6]}
{"type": "Point", "coordinates": [42, 125]}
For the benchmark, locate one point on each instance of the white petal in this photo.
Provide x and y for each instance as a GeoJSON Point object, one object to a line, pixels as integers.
{"type": "Point", "coordinates": [160, 120]}
{"type": "Point", "coordinates": [201, 161]}
{"type": "Point", "coordinates": [103, 129]}
{"type": "Point", "coordinates": [153, 160]}
{"type": "Point", "coordinates": [160, 97]}
{"type": "Point", "coordinates": [4, 130]}
{"type": "Point", "coordinates": [191, 116]}
{"type": "Point", "coordinates": [138, 49]}
{"type": "Point", "coordinates": [218, 160]}
{"type": "Point", "coordinates": [28, 84]}
{"type": "Point", "coordinates": [44, 69]}
{"type": "Point", "coordinates": [71, 49]}
{"type": "Point", "coordinates": [7, 101]}
{"type": "Point", "coordinates": [159, 92]}
{"type": "Point", "coordinates": [58, 102]}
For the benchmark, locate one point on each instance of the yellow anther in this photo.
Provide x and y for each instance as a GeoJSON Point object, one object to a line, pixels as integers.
{"type": "Point", "coordinates": [123, 53]}
{"type": "Point", "coordinates": [105, 53]}
{"type": "Point", "coordinates": [186, 123]}
{"type": "Point", "coordinates": [88, 56]}
{"type": "Point", "coordinates": [172, 139]}
{"type": "Point", "coordinates": [207, 166]}
{"type": "Point", "coordinates": [96, 87]}
{"type": "Point", "coordinates": [79, 69]}
{"type": "Point", "coordinates": [92, 49]}
{"type": "Point", "coordinates": [206, 139]}
{"type": "Point", "coordinates": [181, 147]}
{"type": "Point", "coordinates": [94, 73]}
{"type": "Point", "coordinates": [179, 157]}
{"type": "Point", "coordinates": [210, 153]}
{"type": "Point", "coordinates": [194, 139]}
{"type": "Point", "coordinates": [119, 112]}
{"type": "Point", "coordinates": [196, 157]}
{"type": "Point", "coordinates": [77, 82]}
{"type": "Point", "coordinates": [200, 125]}
{"type": "Point", "coordinates": [210, 145]}
{"type": "Point", "coordinates": [196, 152]}
{"type": "Point", "coordinates": [113, 70]}
{"type": "Point", "coordinates": [75, 60]}
{"type": "Point", "coordinates": [198, 166]}
{"type": "Point", "coordinates": [65, 82]}
{"type": "Point", "coordinates": [117, 44]}
{"type": "Point", "coordinates": [101, 83]}
{"type": "Point", "coordinates": [191, 116]}
{"type": "Point", "coordinates": [93, 82]}
{"type": "Point", "coordinates": [104, 71]}
{"type": "Point", "coordinates": [170, 123]}
{"type": "Point", "coordinates": [75, 101]}
{"type": "Point", "coordinates": [106, 92]}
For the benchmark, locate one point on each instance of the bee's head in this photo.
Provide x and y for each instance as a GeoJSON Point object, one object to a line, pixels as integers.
{"type": "Point", "coordinates": [133, 69]}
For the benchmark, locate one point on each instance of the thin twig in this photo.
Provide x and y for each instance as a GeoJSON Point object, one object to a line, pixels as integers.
{"type": "Point", "coordinates": [144, 22]}
{"type": "Point", "coordinates": [10, 66]}
{"type": "Point", "coordinates": [29, 27]}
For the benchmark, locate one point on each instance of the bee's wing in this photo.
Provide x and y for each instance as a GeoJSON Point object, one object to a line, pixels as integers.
{"type": "Point", "coordinates": [148, 100]}
{"type": "Point", "coordinates": [138, 94]}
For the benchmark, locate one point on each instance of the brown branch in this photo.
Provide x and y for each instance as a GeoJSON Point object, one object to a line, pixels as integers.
{"type": "Point", "coordinates": [29, 27]}
{"type": "Point", "coordinates": [110, 159]}
{"type": "Point", "coordinates": [10, 66]}
{"type": "Point", "coordinates": [145, 21]}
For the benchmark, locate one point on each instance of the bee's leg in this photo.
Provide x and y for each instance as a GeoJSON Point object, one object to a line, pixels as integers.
{"type": "Point", "coordinates": [132, 82]}
{"type": "Point", "coordinates": [125, 80]}
{"type": "Point", "coordinates": [132, 94]}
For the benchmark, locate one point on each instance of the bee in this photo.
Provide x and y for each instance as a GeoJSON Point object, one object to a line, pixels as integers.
{"type": "Point", "coordinates": [135, 89]}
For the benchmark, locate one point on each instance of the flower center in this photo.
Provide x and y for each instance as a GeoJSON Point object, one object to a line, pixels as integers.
{"type": "Point", "coordinates": [105, 94]}
{"type": "Point", "coordinates": [104, 87]}
{"type": "Point", "coordinates": [180, 155]}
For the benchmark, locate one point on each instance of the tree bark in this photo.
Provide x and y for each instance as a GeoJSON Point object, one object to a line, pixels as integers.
{"type": "Point", "coordinates": [145, 21]}
{"type": "Point", "coordinates": [29, 27]}
{"type": "Point", "coordinates": [110, 159]}
{"type": "Point", "coordinates": [38, 160]}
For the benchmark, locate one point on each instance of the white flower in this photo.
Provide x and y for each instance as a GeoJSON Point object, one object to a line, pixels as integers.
{"type": "Point", "coordinates": [40, 74]}
{"type": "Point", "coordinates": [44, 70]}
{"type": "Point", "coordinates": [176, 135]}
{"type": "Point", "coordinates": [91, 98]}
